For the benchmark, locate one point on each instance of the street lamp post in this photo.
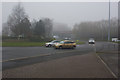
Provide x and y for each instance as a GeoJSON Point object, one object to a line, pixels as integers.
{"type": "Point", "coordinates": [109, 23]}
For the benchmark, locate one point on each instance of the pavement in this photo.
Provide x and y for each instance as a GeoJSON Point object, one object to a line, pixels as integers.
{"type": "Point", "coordinates": [109, 53]}
{"type": "Point", "coordinates": [111, 60]}
{"type": "Point", "coordinates": [77, 66]}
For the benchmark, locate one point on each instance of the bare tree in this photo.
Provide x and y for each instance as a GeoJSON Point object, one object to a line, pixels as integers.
{"type": "Point", "coordinates": [15, 21]}
{"type": "Point", "coordinates": [97, 30]}
{"type": "Point", "coordinates": [48, 27]}
{"type": "Point", "coordinates": [39, 29]}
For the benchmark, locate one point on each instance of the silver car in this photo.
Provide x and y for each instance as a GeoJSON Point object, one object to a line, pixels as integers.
{"type": "Point", "coordinates": [91, 41]}
{"type": "Point", "coordinates": [52, 43]}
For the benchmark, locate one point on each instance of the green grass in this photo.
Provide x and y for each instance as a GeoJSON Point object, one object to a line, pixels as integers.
{"type": "Point", "coordinates": [0, 44]}
{"type": "Point", "coordinates": [22, 44]}
{"type": "Point", "coordinates": [80, 42]}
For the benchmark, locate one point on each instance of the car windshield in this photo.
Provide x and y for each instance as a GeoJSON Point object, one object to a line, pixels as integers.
{"type": "Point", "coordinates": [62, 42]}
{"type": "Point", "coordinates": [66, 42]}
{"type": "Point", "coordinates": [55, 41]}
{"type": "Point", "coordinates": [72, 42]}
{"type": "Point", "coordinates": [69, 42]}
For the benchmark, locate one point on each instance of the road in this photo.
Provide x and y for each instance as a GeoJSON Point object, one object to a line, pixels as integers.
{"type": "Point", "coordinates": [20, 52]}
{"type": "Point", "coordinates": [22, 56]}
{"type": "Point", "coordinates": [19, 56]}
{"type": "Point", "coordinates": [17, 52]}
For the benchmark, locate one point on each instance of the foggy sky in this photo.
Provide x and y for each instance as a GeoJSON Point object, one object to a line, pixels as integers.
{"type": "Point", "coordinates": [64, 12]}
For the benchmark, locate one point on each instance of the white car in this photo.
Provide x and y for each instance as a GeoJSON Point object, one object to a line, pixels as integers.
{"type": "Point", "coordinates": [91, 41]}
{"type": "Point", "coordinates": [52, 43]}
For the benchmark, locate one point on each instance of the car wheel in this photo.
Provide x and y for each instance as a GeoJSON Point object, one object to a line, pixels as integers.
{"type": "Point", "coordinates": [49, 45]}
{"type": "Point", "coordinates": [60, 47]}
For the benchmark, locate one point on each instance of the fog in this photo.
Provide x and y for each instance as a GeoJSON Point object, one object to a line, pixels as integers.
{"type": "Point", "coordinates": [68, 13]}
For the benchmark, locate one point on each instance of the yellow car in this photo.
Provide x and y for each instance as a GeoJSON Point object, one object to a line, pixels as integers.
{"type": "Point", "coordinates": [65, 44]}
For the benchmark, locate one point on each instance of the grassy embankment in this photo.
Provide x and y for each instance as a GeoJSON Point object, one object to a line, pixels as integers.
{"type": "Point", "coordinates": [80, 42]}
{"type": "Point", "coordinates": [22, 44]}
{"type": "Point", "coordinates": [28, 43]}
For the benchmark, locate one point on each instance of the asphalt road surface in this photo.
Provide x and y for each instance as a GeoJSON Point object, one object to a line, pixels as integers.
{"type": "Point", "coordinates": [20, 56]}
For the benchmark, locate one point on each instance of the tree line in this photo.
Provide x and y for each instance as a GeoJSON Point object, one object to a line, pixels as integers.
{"type": "Point", "coordinates": [97, 30]}
{"type": "Point", "coordinates": [19, 26]}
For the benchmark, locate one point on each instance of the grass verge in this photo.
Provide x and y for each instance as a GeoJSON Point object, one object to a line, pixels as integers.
{"type": "Point", "coordinates": [22, 44]}
{"type": "Point", "coordinates": [80, 42]}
